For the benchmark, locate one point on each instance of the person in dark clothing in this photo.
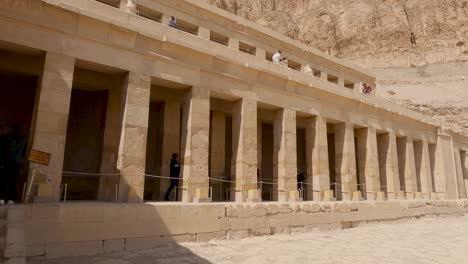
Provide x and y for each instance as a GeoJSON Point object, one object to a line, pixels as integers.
{"type": "Point", "coordinates": [173, 22]}
{"type": "Point", "coordinates": [174, 171]}
{"type": "Point", "coordinates": [12, 150]}
{"type": "Point", "coordinates": [300, 179]}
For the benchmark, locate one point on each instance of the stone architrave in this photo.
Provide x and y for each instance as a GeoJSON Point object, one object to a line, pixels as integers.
{"type": "Point", "coordinates": [244, 148]}
{"type": "Point", "coordinates": [345, 165]}
{"type": "Point", "coordinates": [52, 120]}
{"type": "Point", "coordinates": [388, 161]}
{"type": "Point", "coordinates": [317, 157]}
{"type": "Point", "coordinates": [171, 139]}
{"type": "Point", "coordinates": [285, 155]}
{"type": "Point", "coordinates": [195, 144]}
{"type": "Point", "coordinates": [459, 169]}
{"type": "Point", "coordinates": [132, 147]}
{"type": "Point", "coordinates": [368, 163]}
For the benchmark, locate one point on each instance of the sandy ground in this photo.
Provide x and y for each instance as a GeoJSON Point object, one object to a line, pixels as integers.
{"type": "Point", "coordinates": [442, 240]}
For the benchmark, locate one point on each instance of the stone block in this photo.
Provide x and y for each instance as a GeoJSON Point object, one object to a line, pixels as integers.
{"type": "Point", "coordinates": [15, 261]}
{"type": "Point", "coordinates": [253, 196]}
{"type": "Point", "coordinates": [294, 196]}
{"type": "Point", "coordinates": [381, 196]}
{"type": "Point", "coordinates": [409, 195]}
{"type": "Point", "coordinates": [297, 230]}
{"type": "Point", "coordinates": [281, 230]}
{"type": "Point", "coordinates": [140, 243]}
{"type": "Point", "coordinates": [201, 195]}
{"type": "Point", "coordinates": [280, 220]}
{"type": "Point", "coordinates": [401, 195]}
{"type": "Point", "coordinates": [418, 195]}
{"type": "Point", "coordinates": [44, 190]}
{"type": "Point", "coordinates": [113, 245]}
{"type": "Point", "coordinates": [35, 250]}
{"type": "Point", "coordinates": [272, 209]}
{"type": "Point", "coordinates": [261, 232]}
{"type": "Point", "coordinates": [205, 237]}
{"type": "Point", "coordinates": [371, 196]}
{"type": "Point", "coordinates": [243, 210]}
{"type": "Point", "coordinates": [433, 196]}
{"type": "Point", "coordinates": [237, 234]}
{"type": "Point", "coordinates": [259, 210]}
{"type": "Point", "coordinates": [357, 196]}
{"type": "Point", "coordinates": [285, 208]}
{"type": "Point", "coordinates": [74, 249]}
{"type": "Point", "coordinates": [328, 195]}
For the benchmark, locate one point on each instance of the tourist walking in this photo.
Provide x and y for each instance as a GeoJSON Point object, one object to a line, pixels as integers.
{"type": "Point", "coordinates": [174, 171]}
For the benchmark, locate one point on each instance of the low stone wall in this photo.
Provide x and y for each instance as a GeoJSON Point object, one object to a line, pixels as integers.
{"type": "Point", "coordinates": [70, 229]}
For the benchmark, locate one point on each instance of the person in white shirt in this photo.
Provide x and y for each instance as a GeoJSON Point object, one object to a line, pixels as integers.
{"type": "Point", "coordinates": [277, 57]}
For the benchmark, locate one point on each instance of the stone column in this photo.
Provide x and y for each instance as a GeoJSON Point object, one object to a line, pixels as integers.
{"type": "Point", "coordinates": [110, 150]}
{"type": "Point", "coordinates": [234, 43]}
{"type": "Point", "coordinates": [324, 76]}
{"type": "Point", "coordinates": [244, 146]}
{"type": "Point", "coordinates": [170, 140]}
{"type": "Point", "coordinates": [217, 151]}
{"type": "Point", "coordinates": [341, 82]}
{"type": "Point", "coordinates": [52, 120]}
{"type": "Point", "coordinates": [459, 168]}
{"type": "Point", "coordinates": [132, 149]}
{"type": "Point", "coordinates": [357, 86]}
{"type": "Point", "coordinates": [317, 157]}
{"type": "Point", "coordinates": [464, 162]}
{"type": "Point", "coordinates": [445, 184]}
{"type": "Point", "coordinates": [260, 53]}
{"type": "Point", "coordinates": [285, 155]}
{"type": "Point", "coordinates": [195, 144]}
{"type": "Point", "coordinates": [425, 172]}
{"type": "Point", "coordinates": [409, 166]}
{"type": "Point", "coordinates": [368, 163]}
{"type": "Point", "coordinates": [128, 6]}
{"type": "Point", "coordinates": [345, 169]}
{"type": "Point", "coordinates": [204, 33]}
{"type": "Point", "coordinates": [388, 161]}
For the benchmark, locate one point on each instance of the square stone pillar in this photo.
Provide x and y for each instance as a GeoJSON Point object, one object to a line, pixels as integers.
{"type": "Point", "coordinates": [464, 162]}
{"type": "Point", "coordinates": [234, 43]}
{"type": "Point", "coordinates": [195, 144]}
{"type": "Point", "coordinates": [132, 147]}
{"type": "Point", "coordinates": [244, 148]}
{"type": "Point", "coordinates": [425, 172]}
{"type": "Point", "coordinates": [217, 151]}
{"type": "Point", "coordinates": [52, 120]}
{"type": "Point", "coordinates": [341, 82]}
{"type": "Point", "coordinates": [357, 86]}
{"type": "Point", "coordinates": [408, 166]}
{"type": "Point", "coordinates": [324, 76]}
{"type": "Point", "coordinates": [110, 149]}
{"type": "Point", "coordinates": [260, 53]}
{"type": "Point", "coordinates": [285, 154]}
{"type": "Point", "coordinates": [459, 168]}
{"type": "Point", "coordinates": [388, 163]}
{"type": "Point", "coordinates": [368, 162]}
{"type": "Point", "coordinates": [444, 171]}
{"type": "Point", "coordinates": [345, 161]}
{"type": "Point", "coordinates": [317, 157]}
{"type": "Point", "coordinates": [170, 140]}
{"type": "Point", "coordinates": [128, 6]}
{"type": "Point", "coordinates": [204, 33]}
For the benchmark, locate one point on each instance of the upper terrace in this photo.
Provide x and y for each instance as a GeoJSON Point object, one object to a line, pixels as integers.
{"type": "Point", "coordinates": [203, 20]}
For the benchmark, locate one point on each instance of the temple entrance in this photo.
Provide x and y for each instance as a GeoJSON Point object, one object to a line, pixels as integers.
{"type": "Point", "coordinates": [17, 97]}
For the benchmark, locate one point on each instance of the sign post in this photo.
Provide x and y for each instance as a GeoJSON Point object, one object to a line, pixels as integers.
{"type": "Point", "coordinates": [36, 157]}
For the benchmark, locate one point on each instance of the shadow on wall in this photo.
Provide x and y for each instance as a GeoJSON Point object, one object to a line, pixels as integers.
{"type": "Point", "coordinates": [109, 233]}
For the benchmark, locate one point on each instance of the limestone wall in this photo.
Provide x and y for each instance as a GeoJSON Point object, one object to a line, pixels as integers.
{"type": "Point", "coordinates": [69, 229]}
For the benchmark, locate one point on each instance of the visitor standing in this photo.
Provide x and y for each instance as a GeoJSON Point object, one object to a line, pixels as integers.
{"type": "Point", "coordinates": [173, 22]}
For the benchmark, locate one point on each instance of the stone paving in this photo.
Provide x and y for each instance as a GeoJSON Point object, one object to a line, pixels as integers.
{"type": "Point", "coordinates": [433, 240]}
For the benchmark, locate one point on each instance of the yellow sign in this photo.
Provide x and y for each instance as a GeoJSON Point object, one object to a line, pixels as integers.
{"type": "Point", "coordinates": [39, 157]}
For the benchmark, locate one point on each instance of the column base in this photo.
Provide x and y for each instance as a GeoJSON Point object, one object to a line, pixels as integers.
{"type": "Point", "coordinates": [418, 195]}
{"type": "Point", "coordinates": [294, 197]}
{"type": "Point", "coordinates": [401, 195]}
{"type": "Point", "coordinates": [371, 196]}
{"type": "Point", "coordinates": [357, 196]}
{"type": "Point", "coordinates": [328, 195]}
{"type": "Point", "coordinates": [253, 196]}
{"type": "Point", "coordinates": [380, 196]}
{"type": "Point", "coordinates": [201, 196]}
{"type": "Point", "coordinates": [433, 196]}
{"type": "Point", "coordinates": [410, 196]}
{"type": "Point", "coordinates": [44, 194]}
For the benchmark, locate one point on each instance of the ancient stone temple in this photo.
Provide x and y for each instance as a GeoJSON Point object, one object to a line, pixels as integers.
{"type": "Point", "coordinates": [110, 90]}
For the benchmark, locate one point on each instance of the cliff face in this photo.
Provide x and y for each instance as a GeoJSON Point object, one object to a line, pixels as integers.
{"type": "Point", "coordinates": [417, 48]}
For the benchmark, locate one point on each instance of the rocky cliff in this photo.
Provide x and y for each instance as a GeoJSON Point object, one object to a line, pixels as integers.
{"type": "Point", "coordinates": [417, 48]}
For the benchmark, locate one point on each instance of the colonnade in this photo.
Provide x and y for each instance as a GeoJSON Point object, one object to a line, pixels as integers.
{"type": "Point", "coordinates": [367, 163]}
